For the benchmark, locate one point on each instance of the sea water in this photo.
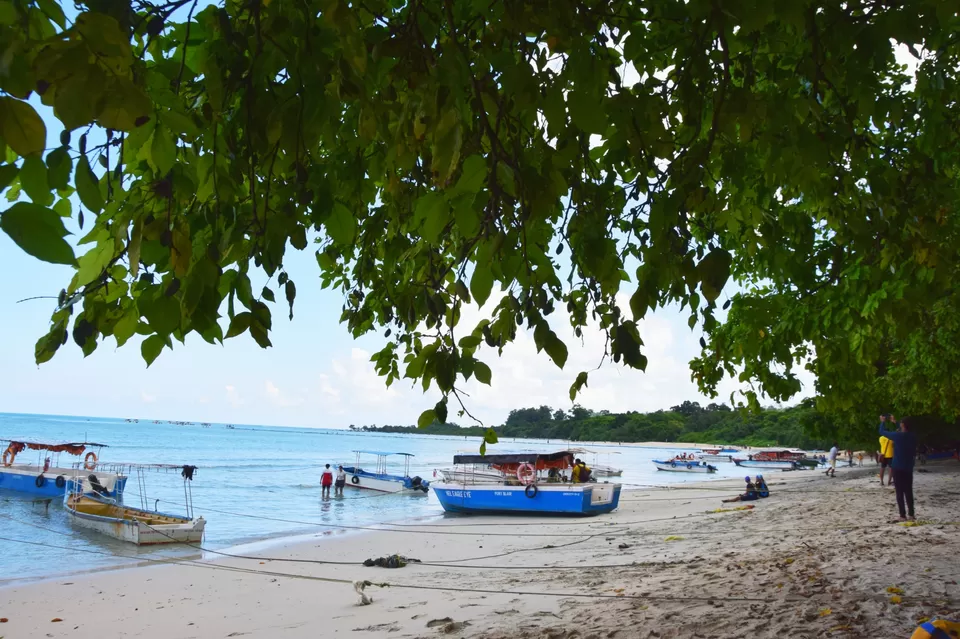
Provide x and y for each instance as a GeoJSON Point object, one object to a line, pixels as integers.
{"type": "Point", "coordinates": [253, 483]}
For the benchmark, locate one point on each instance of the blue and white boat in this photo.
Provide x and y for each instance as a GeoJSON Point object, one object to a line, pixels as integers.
{"type": "Point", "coordinates": [524, 489]}
{"type": "Point", "coordinates": [48, 478]}
{"type": "Point", "coordinates": [380, 479]}
{"type": "Point", "coordinates": [685, 466]}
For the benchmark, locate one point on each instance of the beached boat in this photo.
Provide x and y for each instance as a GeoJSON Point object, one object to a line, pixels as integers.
{"type": "Point", "coordinates": [141, 526]}
{"type": "Point", "coordinates": [458, 475]}
{"type": "Point", "coordinates": [685, 466]}
{"type": "Point", "coordinates": [48, 478]}
{"type": "Point", "coordinates": [531, 485]}
{"type": "Point", "coordinates": [381, 480]}
{"type": "Point", "coordinates": [776, 464]}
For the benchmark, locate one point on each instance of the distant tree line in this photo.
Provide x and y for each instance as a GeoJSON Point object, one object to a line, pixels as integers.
{"type": "Point", "coordinates": [689, 421]}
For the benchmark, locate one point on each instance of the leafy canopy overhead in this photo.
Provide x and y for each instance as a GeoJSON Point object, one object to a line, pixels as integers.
{"type": "Point", "coordinates": [531, 158]}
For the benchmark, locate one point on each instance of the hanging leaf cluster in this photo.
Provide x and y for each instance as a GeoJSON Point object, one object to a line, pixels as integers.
{"type": "Point", "coordinates": [530, 158]}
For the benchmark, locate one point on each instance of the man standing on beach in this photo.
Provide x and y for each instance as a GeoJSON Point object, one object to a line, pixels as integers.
{"type": "Point", "coordinates": [904, 452]}
{"type": "Point", "coordinates": [886, 449]}
{"type": "Point", "coordinates": [326, 481]}
{"type": "Point", "coordinates": [832, 471]}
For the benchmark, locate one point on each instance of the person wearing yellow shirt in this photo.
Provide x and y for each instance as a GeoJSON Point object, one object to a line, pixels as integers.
{"type": "Point", "coordinates": [886, 451]}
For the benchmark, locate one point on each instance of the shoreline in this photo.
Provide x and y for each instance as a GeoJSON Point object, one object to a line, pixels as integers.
{"type": "Point", "coordinates": [814, 558]}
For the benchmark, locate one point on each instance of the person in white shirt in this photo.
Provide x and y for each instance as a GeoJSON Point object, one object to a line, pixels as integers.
{"type": "Point", "coordinates": [340, 483]}
{"type": "Point", "coordinates": [832, 471]}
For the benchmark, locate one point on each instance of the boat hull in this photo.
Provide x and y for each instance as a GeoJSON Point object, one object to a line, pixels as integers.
{"type": "Point", "coordinates": [715, 458]}
{"type": "Point", "coordinates": [23, 478]}
{"type": "Point", "coordinates": [601, 470]}
{"type": "Point", "coordinates": [126, 527]}
{"type": "Point", "coordinates": [684, 467]}
{"type": "Point", "coordinates": [383, 483]}
{"type": "Point", "coordinates": [546, 499]}
{"type": "Point", "coordinates": [770, 464]}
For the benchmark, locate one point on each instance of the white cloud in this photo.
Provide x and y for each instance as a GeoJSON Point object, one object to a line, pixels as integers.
{"type": "Point", "coordinates": [147, 398]}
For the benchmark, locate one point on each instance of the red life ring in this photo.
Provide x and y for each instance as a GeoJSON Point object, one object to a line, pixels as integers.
{"type": "Point", "coordinates": [8, 457]}
{"type": "Point", "coordinates": [526, 473]}
{"type": "Point", "coordinates": [90, 461]}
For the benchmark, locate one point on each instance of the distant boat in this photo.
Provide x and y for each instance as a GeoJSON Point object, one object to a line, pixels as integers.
{"type": "Point", "coordinates": [382, 481]}
{"type": "Point", "coordinates": [49, 480]}
{"type": "Point", "coordinates": [685, 466]}
{"type": "Point", "coordinates": [777, 464]}
{"type": "Point", "coordinates": [524, 489]}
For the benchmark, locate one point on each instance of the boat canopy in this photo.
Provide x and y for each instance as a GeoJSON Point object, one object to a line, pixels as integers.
{"type": "Point", "coordinates": [381, 453]}
{"type": "Point", "coordinates": [514, 458]}
{"type": "Point", "coordinates": [74, 448]}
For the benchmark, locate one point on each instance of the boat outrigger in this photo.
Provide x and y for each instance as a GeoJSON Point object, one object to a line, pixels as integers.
{"type": "Point", "coordinates": [525, 488]}
{"type": "Point", "coordinates": [48, 479]}
{"type": "Point", "coordinates": [382, 481]}
{"type": "Point", "coordinates": [140, 526]}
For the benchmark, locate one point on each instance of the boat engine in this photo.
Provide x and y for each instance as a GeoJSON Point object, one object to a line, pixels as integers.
{"type": "Point", "coordinates": [417, 484]}
{"type": "Point", "coordinates": [96, 485]}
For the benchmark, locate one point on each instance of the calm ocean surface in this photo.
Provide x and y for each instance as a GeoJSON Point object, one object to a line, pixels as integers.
{"type": "Point", "coordinates": [244, 473]}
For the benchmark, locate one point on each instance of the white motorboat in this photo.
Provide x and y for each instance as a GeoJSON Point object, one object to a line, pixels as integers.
{"type": "Point", "coordinates": [382, 481]}
{"type": "Point", "coordinates": [684, 466]}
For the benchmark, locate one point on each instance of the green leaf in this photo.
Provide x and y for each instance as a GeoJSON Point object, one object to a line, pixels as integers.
{"type": "Point", "coordinates": [38, 231]}
{"type": "Point", "coordinates": [33, 179]}
{"type": "Point", "coordinates": [441, 411]}
{"type": "Point", "coordinates": [21, 127]}
{"type": "Point", "coordinates": [92, 263]}
{"type": "Point", "coordinates": [469, 341]}
{"type": "Point", "coordinates": [481, 283]}
{"type": "Point", "coordinates": [52, 9]}
{"type": "Point", "coordinates": [59, 167]}
{"type": "Point", "coordinates": [268, 295]}
{"type": "Point", "coordinates": [556, 349]}
{"type": "Point", "coordinates": [341, 225]}
{"type": "Point", "coordinates": [433, 212]}
{"type": "Point", "coordinates": [578, 385]}
{"type": "Point", "coordinates": [447, 140]}
{"type": "Point", "coordinates": [8, 173]}
{"type": "Point", "coordinates": [126, 326]}
{"type": "Point", "coordinates": [63, 208]}
{"type": "Point", "coordinates": [125, 106]}
{"type": "Point", "coordinates": [714, 270]}
{"type": "Point", "coordinates": [490, 437]}
{"type": "Point", "coordinates": [586, 111]}
{"type": "Point", "coordinates": [239, 324]}
{"type": "Point", "coordinates": [88, 187]}
{"type": "Point", "coordinates": [290, 291]}
{"type": "Point", "coordinates": [426, 418]}
{"type": "Point", "coordinates": [482, 372]}
{"type": "Point", "coordinates": [151, 347]}
{"type": "Point", "coordinates": [473, 176]}
{"type": "Point", "coordinates": [468, 220]}
{"type": "Point", "coordinates": [163, 150]}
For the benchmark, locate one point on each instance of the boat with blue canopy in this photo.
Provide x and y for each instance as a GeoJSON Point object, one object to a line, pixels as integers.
{"type": "Point", "coordinates": [380, 479]}
{"type": "Point", "coordinates": [47, 478]}
{"type": "Point", "coordinates": [533, 483]}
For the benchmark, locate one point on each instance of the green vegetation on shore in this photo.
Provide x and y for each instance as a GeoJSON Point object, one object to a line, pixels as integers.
{"type": "Point", "coordinates": [688, 422]}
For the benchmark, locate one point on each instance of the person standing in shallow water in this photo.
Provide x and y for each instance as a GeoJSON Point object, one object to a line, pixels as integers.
{"type": "Point", "coordinates": [904, 453]}
{"type": "Point", "coordinates": [341, 482]}
{"type": "Point", "coordinates": [326, 481]}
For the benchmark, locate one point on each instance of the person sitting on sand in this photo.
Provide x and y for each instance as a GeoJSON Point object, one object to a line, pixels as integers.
{"type": "Point", "coordinates": [749, 495]}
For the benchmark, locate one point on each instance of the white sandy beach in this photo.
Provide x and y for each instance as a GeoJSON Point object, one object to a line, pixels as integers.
{"type": "Point", "coordinates": [818, 558]}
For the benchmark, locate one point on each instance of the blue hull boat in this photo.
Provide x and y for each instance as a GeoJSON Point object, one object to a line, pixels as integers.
{"type": "Point", "coordinates": [56, 482]}
{"type": "Point", "coordinates": [533, 499]}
